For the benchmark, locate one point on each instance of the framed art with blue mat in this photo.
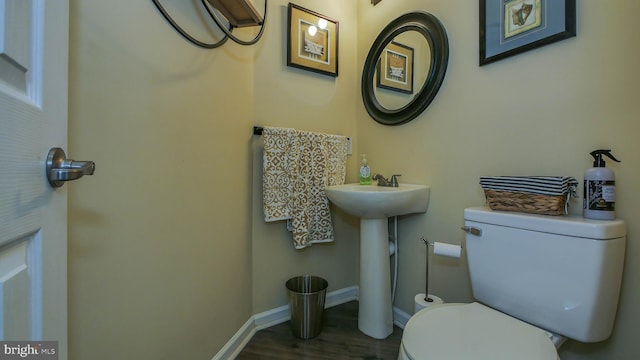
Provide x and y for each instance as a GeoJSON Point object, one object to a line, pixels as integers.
{"type": "Point", "coordinates": [511, 27]}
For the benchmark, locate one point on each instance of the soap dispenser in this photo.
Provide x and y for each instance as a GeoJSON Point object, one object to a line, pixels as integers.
{"type": "Point", "coordinates": [599, 188]}
{"type": "Point", "coordinates": [365, 171]}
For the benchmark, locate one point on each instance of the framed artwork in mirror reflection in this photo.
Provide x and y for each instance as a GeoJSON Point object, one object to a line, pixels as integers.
{"type": "Point", "coordinates": [312, 41]}
{"type": "Point", "coordinates": [395, 68]}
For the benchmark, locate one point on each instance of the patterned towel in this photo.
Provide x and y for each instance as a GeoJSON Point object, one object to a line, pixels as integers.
{"type": "Point", "coordinates": [280, 157]}
{"type": "Point", "coordinates": [297, 167]}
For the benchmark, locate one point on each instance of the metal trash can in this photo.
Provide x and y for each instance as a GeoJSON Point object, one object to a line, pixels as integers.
{"type": "Point", "coordinates": [306, 304]}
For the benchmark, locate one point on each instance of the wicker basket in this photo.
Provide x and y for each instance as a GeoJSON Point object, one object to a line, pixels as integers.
{"type": "Point", "coordinates": [527, 203]}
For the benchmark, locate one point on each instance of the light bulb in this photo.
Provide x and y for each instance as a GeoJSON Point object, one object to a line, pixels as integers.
{"type": "Point", "coordinates": [312, 30]}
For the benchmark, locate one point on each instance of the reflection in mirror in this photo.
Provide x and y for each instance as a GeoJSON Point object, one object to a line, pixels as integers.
{"type": "Point", "coordinates": [405, 68]}
{"type": "Point", "coordinates": [414, 71]}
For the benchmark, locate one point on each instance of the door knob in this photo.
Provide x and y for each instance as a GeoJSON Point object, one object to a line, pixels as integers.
{"type": "Point", "coordinates": [60, 169]}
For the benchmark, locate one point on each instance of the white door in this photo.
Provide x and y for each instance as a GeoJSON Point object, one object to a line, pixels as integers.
{"type": "Point", "coordinates": [33, 216]}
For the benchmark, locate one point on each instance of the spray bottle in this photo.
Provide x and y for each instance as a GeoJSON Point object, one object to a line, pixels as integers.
{"type": "Point", "coordinates": [599, 188]}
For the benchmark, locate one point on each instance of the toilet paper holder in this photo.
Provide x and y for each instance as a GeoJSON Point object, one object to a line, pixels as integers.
{"type": "Point", "coordinates": [433, 243]}
{"type": "Point", "coordinates": [426, 282]}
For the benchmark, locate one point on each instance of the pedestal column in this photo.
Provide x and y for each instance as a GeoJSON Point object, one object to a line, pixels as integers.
{"type": "Point", "coordinates": [375, 317]}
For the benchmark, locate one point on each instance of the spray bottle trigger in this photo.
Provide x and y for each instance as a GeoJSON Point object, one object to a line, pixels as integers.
{"type": "Point", "coordinates": [597, 155]}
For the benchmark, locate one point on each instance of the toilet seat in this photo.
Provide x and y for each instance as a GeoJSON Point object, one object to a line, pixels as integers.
{"type": "Point", "coordinates": [472, 331]}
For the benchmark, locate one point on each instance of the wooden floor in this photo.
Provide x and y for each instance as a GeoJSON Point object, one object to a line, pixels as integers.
{"type": "Point", "coordinates": [339, 339]}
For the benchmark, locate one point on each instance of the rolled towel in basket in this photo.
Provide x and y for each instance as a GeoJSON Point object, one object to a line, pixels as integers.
{"type": "Point", "coordinates": [544, 185]}
{"type": "Point", "coordinates": [547, 195]}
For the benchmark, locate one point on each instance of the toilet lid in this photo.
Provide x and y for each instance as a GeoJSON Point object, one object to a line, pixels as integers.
{"type": "Point", "coordinates": [473, 331]}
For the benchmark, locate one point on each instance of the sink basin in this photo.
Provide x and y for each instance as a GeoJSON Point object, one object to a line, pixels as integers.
{"type": "Point", "coordinates": [374, 205]}
{"type": "Point", "coordinates": [379, 202]}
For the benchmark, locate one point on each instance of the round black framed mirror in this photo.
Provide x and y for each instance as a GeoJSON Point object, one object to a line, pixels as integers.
{"type": "Point", "coordinates": [408, 100]}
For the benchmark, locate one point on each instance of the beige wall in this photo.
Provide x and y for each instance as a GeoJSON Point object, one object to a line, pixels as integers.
{"type": "Point", "coordinates": [159, 238]}
{"type": "Point", "coordinates": [168, 252]}
{"type": "Point", "coordinates": [291, 97]}
{"type": "Point", "coordinates": [167, 243]}
{"type": "Point", "coordinates": [534, 114]}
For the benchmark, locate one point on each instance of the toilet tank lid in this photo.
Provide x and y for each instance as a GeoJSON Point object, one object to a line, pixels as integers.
{"type": "Point", "coordinates": [568, 225]}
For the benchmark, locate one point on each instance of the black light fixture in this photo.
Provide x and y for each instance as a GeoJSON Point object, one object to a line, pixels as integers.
{"type": "Point", "coordinates": [375, 2]}
{"type": "Point", "coordinates": [239, 13]}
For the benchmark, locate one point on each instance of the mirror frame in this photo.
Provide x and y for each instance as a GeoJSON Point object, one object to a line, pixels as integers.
{"type": "Point", "coordinates": [435, 34]}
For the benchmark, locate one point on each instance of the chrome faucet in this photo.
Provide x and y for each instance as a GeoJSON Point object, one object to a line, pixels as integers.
{"type": "Point", "coordinates": [382, 181]}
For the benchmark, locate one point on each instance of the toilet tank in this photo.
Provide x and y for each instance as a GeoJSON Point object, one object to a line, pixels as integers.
{"type": "Point", "coordinates": [560, 273]}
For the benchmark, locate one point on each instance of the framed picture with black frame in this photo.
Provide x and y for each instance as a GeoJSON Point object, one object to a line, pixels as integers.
{"type": "Point", "coordinates": [312, 41]}
{"type": "Point", "coordinates": [511, 27]}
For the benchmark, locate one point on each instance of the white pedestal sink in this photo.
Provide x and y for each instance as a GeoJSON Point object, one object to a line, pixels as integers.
{"type": "Point", "coordinates": [374, 205]}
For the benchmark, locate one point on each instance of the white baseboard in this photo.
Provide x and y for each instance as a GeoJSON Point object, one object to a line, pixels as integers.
{"type": "Point", "coordinates": [273, 317]}
{"type": "Point", "coordinates": [341, 296]}
{"type": "Point", "coordinates": [400, 317]}
{"type": "Point", "coordinates": [233, 347]}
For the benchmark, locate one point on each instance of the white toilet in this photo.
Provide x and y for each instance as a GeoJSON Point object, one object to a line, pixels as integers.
{"type": "Point", "coordinates": [537, 279]}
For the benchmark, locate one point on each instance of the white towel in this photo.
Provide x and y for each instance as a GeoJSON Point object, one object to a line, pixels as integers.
{"type": "Point", "coordinates": [298, 165]}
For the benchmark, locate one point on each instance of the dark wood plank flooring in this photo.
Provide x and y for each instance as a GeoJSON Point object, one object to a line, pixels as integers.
{"type": "Point", "coordinates": [339, 339]}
